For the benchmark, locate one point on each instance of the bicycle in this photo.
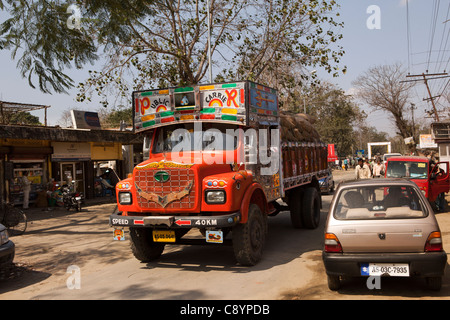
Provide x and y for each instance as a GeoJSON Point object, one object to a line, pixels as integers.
{"type": "Point", "coordinates": [13, 219]}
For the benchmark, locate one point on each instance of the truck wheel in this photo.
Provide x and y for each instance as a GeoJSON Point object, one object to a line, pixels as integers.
{"type": "Point", "coordinates": [249, 238]}
{"type": "Point", "coordinates": [311, 208]}
{"type": "Point", "coordinates": [295, 207]}
{"type": "Point", "coordinates": [142, 245]}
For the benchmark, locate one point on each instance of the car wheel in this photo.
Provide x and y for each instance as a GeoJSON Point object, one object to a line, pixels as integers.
{"type": "Point", "coordinates": [434, 283]}
{"type": "Point", "coordinates": [334, 282]}
{"type": "Point", "coordinates": [331, 190]}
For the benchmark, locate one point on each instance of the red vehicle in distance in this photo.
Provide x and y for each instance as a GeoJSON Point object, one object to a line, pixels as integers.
{"type": "Point", "coordinates": [432, 179]}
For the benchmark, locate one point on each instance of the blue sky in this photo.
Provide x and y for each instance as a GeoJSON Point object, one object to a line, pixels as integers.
{"type": "Point", "coordinates": [364, 48]}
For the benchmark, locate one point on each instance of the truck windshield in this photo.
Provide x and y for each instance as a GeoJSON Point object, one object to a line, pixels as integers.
{"type": "Point", "coordinates": [183, 137]}
{"type": "Point", "coordinates": [407, 169]}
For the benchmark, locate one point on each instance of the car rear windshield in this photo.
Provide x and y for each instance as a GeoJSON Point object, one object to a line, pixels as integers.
{"type": "Point", "coordinates": [407, 169]}
{"type": "Point", "coordinates": [394, 202]}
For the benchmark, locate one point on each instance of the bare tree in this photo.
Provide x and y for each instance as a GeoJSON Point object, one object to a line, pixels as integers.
{"type": "Point", "coordinates": [381, 87]}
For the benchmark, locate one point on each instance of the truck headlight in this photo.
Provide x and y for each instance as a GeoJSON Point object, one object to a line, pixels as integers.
{"type": "Point", "coordinates": [3, 237]}
{"type": "Point", "coordinates": [125, 198]}
{"type": "Point", "coordinates": [215, 196]}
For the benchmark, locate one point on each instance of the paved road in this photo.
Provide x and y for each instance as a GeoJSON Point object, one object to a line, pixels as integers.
{"type": "Point", "coordinates": [291, 267]}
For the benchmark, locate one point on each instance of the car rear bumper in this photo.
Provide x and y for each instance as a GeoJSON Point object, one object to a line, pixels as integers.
{"type": "Point", "coordinates": [426, 264]}
{"type": "Point", "coordinates": [7, 252]}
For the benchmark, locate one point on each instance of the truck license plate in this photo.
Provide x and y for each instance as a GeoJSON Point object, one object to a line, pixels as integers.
{"type": "Point", "coordinates": [164, 236]}
{"type": "Point", "coordinates": [391, 269]}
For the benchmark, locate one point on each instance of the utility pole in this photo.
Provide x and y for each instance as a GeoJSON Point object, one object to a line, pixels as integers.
{"type": "Point", "coordinates": [431, 98]}
{"type": "Point", "coordinates": [413, 107]}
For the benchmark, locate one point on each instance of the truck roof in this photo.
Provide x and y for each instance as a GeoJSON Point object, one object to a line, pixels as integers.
{"type": "Point", "coordinates": [237, 103]}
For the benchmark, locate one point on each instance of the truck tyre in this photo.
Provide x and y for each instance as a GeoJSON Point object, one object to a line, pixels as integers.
{"type": "Point", "coordinates": [296, 208]}
{"type": "Point", "coordinates": [249, 238]}
{"type": "Point", "coordinates": [311, 208]}
{"type": "Point", "coordinates": [142, 245]}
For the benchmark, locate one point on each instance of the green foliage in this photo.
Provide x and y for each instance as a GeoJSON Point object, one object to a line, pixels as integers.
{"type": "Point", "coordinates": [161, 43]}
{"type": "Point", "coordinates": [39, 37]}
{"type": "Point", "coordinates": [19, 117]}
{"type": "Point", "coordinates": [116, 116]}
{"type": "Point", "coordinates": [337, 116]}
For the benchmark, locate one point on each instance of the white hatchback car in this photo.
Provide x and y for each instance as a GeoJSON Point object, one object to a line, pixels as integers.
{"type": "Point", "coordinates": [382, 227]}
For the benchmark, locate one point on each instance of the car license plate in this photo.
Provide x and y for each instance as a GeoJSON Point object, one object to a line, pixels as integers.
{"type": "Point", "coordinates": [164, 236]}
{"type": "Point", "coordinates": [379, 269]}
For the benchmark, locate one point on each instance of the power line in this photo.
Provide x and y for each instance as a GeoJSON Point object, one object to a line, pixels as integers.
{"type": "Point", "coordinates": [408, 35]}
{"type": "Point", "coordinates": [434, 14]}
{"type": "Point", "coordinates": [424, 76]}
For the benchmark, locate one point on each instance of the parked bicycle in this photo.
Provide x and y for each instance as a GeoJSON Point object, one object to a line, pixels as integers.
{"type": "Point", "coordinates": [14, 219]}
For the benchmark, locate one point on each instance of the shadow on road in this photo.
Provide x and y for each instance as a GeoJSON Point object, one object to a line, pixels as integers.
{"type": "Point", "coordinates": [283, 244]}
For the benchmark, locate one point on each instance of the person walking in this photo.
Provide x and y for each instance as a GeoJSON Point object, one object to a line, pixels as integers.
{"type": "Point", "coordinates": [26, 188]}
{"type": "Point", "coordinates": [362, 170]}
{"type": "Point", "coordinates": [378, 169]}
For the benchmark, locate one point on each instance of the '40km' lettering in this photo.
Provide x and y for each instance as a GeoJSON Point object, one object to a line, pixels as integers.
{"type": "Point", "coordinates": [206, 222]}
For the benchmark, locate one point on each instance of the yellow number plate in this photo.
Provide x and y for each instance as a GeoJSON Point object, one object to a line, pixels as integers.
{"type": "Point", "coordinates": [164, 236]}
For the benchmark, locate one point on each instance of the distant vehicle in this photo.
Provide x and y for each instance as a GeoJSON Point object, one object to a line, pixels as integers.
{"type": "Point", "coordinates": [386, 156]}
{"type": "Point", "coordinates": [422, 172]}
{"type": "Point", "coordinates": [327, 184]}
{"type": "Point", "coordinates": [332, 156]}
{"type": "Point", "coordinates": [7, 248]}
{"type": "Point", "coordinates": [382, 228]}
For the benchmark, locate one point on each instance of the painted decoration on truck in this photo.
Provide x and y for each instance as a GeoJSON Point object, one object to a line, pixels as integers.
{"type": "Point", "coordinates": [150, 108]}
{"type": "Point", "coordinates": [223, 102]}
{"type": "Point", "coordinates": [263, 99]}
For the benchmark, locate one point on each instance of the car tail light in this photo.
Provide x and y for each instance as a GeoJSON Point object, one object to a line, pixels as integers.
{"type": "Point", "coordinates": [332, 243]}
{"type": "Point", "coordinates": [434, 242]}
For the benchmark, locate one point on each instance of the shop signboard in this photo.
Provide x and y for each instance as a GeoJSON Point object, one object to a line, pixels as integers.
{"type": "Point", "coordinates": [71, 151]}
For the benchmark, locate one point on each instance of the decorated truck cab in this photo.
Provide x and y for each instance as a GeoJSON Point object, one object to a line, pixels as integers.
{"type": "Point", "coordinates": [221, 157]}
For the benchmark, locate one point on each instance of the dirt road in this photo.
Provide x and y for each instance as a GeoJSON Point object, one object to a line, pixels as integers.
{"type": "Point", "coordinates": [291, 267]}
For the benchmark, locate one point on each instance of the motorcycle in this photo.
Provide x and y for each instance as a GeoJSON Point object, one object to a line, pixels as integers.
{"type": "Point", "coordinates": [71, 199]}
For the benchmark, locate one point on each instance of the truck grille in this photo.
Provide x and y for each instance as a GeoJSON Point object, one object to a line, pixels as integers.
{"type": "Point", "coordinates": [153, 194]}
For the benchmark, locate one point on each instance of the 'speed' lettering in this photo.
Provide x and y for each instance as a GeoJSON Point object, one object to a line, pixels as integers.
{"type": "Point", "coordinates": [206, 222]}
{"type": "Point", "coordinates": [120, 221]}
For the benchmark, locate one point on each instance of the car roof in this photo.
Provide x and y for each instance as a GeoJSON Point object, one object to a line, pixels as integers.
{"type": "Point", "coordinates": [384, 182]}
{"type": "Point", "coordinates": [409, 158]}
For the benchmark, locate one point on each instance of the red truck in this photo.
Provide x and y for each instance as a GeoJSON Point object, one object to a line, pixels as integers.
{"type": "Point", "coordinates": [217, 162]}
{"type": "Point", "coordinates": [431, 178]}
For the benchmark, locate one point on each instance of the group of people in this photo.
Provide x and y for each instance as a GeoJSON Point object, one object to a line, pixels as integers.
{"type": "Point", "coordinates": [366, 170]}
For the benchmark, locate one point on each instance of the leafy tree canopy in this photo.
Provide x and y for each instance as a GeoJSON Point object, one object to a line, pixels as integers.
{"type": "Point", "coordinates": [160, 43]}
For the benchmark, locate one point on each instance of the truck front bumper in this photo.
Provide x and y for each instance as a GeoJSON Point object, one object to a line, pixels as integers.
{"type": "Point", "coordinates": [229, 220]}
